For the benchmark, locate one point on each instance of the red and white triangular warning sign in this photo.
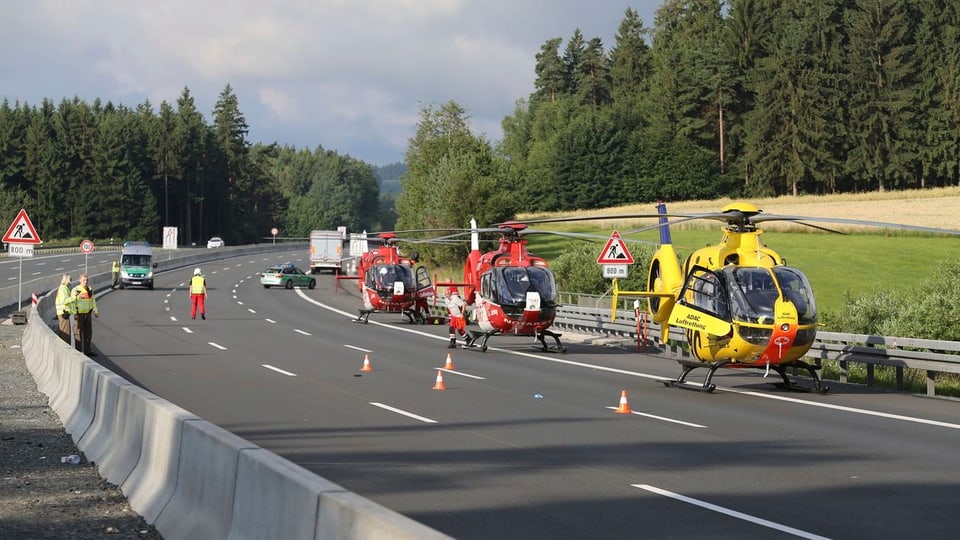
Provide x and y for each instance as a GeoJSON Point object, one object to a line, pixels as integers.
{"type": "Point", "coordinates": [615, 251]}
{"type": "Point", "coordinates": [21, 231]}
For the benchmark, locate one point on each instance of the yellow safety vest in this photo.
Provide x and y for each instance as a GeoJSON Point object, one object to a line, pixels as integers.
{"type": "Point", "coordinates": [197, 283]}
{"type": "Point", "coordinates": [116, 267]}
{"type": "Point", "coordinates": [83, 296]}
{"type": "Point", "coordinates": [65, 303]}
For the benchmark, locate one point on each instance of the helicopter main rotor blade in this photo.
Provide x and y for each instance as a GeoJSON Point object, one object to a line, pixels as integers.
{"type": "Point", "coordinates": [845, 221]}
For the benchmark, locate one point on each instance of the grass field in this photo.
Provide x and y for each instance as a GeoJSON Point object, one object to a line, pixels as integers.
{"type": "Point", "coordinates": [858, 262]}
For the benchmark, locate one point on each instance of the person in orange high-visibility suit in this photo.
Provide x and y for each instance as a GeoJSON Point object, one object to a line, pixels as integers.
{"type": "Point", "coordinates": [456, 307]}
{"type": "Point", "coordinates": [198, 295]}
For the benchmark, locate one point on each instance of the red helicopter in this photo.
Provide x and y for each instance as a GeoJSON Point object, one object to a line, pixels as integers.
{"type": "Point", "coordinates": [392, 283]}
{"type": "Point", "coordinates": [510, 290]}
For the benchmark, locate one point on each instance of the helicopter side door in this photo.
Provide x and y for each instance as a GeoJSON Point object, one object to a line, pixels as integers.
{"type": "Point", "coordinates": [703, 305]}
{"type": "Point", "coordinates": [425, 288]}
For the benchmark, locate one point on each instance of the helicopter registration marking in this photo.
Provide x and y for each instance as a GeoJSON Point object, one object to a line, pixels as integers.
{"type": "Point", "coordinates": [729, 512]}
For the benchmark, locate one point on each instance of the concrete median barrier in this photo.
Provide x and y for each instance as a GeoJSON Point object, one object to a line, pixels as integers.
{"type": "Point", "coordinates": [117, 430]}
{"type": "Point", "coordinates": [66, 397]}
{"type": "Point", "coordinates": [152, 482]}
{"type": "Point", "coordinates": [270, 491]}
{"type": "Point", "coordinates": [81, 418]}
{"type": "Point", "coordinates": [190, 478]}
{"type": "Point", "coordinates": [347, 515]}
{"type": "Point", "coordinates": [202, 505]}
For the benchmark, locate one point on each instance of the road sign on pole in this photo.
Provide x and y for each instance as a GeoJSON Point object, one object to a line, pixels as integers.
{"type": "Point", "coordinates": [21, 231]}
{"type": "Point", "coordinates": [86, 247]}
{"type": "Point", "coordinates": [615, 251]}
{"type": "Point", "coordinates": [20, 250]}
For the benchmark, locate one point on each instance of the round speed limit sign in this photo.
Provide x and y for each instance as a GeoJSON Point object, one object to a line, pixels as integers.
{"type": "Point", "coordinates": [86, 247]}
{"type": "Point", "coordinates": [274, 231]}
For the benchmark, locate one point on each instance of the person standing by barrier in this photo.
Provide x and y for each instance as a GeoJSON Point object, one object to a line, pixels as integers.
{"type": "Point", "coordinates": [86, 306]}
{"type": "Point", "coordinates": [65, 306]}
{"type": "Point", "coordinates": [198, 295]}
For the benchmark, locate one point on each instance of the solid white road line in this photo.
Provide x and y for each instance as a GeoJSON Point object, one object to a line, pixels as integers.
{"type": "Point", "coordinates": [844, 408]}
{"type": "Point", "coordinates": [731, 513]}
{"type": "Point", "coordinates": [405, 413]}
{"type": "Point", "coordinates": [658, 378]}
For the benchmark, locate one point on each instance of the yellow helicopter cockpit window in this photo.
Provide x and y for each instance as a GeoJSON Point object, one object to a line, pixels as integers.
{"type": "Point", "coordinates": [753, 293]}
{"type": "Point", "coordinates": [797, 290]}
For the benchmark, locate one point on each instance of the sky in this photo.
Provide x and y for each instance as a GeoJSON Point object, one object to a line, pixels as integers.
{"type": "Point", "coordinates": [349, 75]}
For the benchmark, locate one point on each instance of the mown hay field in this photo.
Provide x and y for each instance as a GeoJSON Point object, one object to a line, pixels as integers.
{"type": "Point", "coordinates": [858, 262]}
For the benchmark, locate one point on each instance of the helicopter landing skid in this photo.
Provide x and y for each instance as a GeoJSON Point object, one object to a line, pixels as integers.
{"type": "Point", "coordinates": [787, 384]}
{"type": "Point", "coordinates": [363, 317]}
{"type": "Point", "coordinates": [688, 366]}
{"type": "Point", "coordinates": [543, 342]}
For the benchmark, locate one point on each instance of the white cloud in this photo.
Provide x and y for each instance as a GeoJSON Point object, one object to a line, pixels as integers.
{"type": "Point", "coordinates": [350, 75]}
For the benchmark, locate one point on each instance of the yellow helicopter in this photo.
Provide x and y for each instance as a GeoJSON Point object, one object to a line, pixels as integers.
{"type": "Point", "coordinates": [739, 303]}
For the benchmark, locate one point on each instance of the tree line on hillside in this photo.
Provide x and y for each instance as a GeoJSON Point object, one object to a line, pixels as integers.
{"type": "Point", "coordinates": [739, 98]}
{"type": "Point", "coordinates": [101, 170]}
{"type": "Point", "coordinates": [720, 98]}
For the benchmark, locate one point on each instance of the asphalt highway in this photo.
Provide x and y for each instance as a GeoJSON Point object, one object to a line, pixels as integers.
{"type": "Point", "coordinates": [523, 444]}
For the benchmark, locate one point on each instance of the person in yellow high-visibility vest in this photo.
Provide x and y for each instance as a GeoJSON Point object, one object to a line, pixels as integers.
{"type": "Point", "coordinates": [86, 305]}
{"type": "Point", "coordinates": [198, 294]}
{"type": "Point", "coordinates": [65, 306]}
{"type": "Point", "coordinates": [115, 272]}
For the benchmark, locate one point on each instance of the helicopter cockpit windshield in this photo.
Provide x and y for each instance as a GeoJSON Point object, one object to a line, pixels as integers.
{"type": "Point", "coordinates": [383, 277]}
{"type": "Point", "coordinates": [753, 293]}
{"type": "Point", "coordinates": [513, 283]}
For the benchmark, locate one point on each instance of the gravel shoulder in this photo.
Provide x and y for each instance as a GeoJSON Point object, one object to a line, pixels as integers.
{"type": "Point", "coordinates": [40, 497]}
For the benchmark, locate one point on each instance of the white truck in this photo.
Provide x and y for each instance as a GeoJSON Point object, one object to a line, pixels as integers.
{"type": "Point", "coordinates": [326, 250]}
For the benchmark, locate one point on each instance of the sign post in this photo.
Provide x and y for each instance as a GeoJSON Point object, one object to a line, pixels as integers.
{"type": "Point", "coordinates": [86, 247]}
{"type": "Point", "coordinates": [615, 257]}
{"type": "Point", "coordinates": [274, 232]}
{"type": "Point", "coordinates": [22, 235]}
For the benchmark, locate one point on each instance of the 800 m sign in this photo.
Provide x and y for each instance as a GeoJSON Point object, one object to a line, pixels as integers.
{"type": "Point", "coordinates": [20, 250]}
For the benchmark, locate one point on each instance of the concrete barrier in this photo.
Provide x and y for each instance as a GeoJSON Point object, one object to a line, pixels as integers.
{"type": "Point", "coordinates": [202, 505]}
{"type": "Point", "coordinates": [66, 397]}
{"type": "Point", "coordinates": [95, 442]}
{"type": "Point", "coordinates": [345, 514]}
{"type": "Point", "coordinates": [269, 490]}
{"type": "Point", "coordinates": [152, 482]}
{"type": "Point", "coordinates": [81, 419]}
{"type": "Point", "coordinates": [117, 430]}
{"type": "Point", "coordinates": [188, 477]}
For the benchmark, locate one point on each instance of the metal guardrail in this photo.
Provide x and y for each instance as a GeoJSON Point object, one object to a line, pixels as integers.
{"type": "Point", "coordinates": [931, 356]}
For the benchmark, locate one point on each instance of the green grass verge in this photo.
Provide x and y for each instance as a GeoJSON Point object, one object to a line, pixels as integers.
{"type": "Point", "coordinates": [856, 264]}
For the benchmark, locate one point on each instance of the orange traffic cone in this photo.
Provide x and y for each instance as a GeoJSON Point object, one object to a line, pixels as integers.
{"type": "Point", "coordinates": [366, 363]}
{"type": "Point", "coordinates": [439, 384]}
{"type": "Point", "coordinates": [449, 363]}
{"type": "Point", "coordinates": [624, 407]}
